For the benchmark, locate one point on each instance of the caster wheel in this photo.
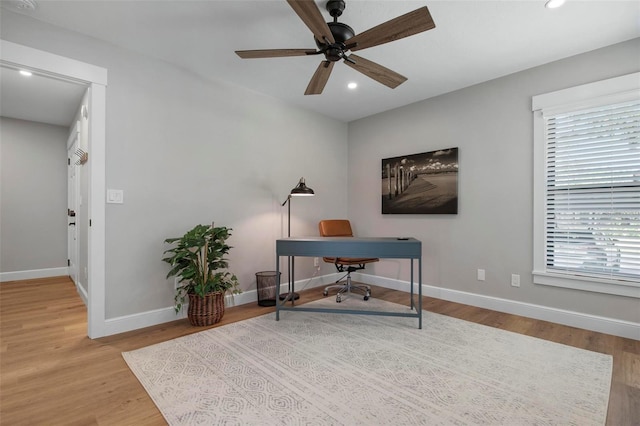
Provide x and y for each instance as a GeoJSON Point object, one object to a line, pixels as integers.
{"type": "Point", "coordinates": [325, 293]}
{"type": "Point", "coordinates": [366, 298]}
{"type": "Point", "coordinates": [338, 300]}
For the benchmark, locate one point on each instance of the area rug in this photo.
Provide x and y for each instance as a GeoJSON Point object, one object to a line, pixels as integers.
{"type": "Point", "coordinates": [336, 369]}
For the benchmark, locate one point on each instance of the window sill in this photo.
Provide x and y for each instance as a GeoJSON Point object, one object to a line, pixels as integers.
{"type": "Point", "coordinates": [597, 285]}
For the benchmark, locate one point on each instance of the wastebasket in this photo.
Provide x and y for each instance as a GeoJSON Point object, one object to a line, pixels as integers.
{"type": "Point", "coordinates": [267, 283]}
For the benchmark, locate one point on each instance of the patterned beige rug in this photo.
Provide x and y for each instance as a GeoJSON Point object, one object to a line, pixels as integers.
{"type": "Point", "coordinates": [328, 369]}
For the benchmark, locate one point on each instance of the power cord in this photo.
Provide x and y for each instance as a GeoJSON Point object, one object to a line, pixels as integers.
{"type": "Point", "coordinates": [317, 269]}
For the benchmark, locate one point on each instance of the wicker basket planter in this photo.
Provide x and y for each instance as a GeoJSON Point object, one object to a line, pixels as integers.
{"type": "Point", "coordinates": [207, 310]}
{"type": "Point", "coordinates": [197, 261]}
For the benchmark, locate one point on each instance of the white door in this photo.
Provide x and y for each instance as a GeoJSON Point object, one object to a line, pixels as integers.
{"type": "Point", "coordinates": [73, 196]}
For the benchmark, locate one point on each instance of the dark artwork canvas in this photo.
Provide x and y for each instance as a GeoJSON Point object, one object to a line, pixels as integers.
{"type": "Point", "coordinates": [425, 183]}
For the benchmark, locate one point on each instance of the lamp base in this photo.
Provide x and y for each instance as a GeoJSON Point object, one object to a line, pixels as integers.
{"type": "Point", "coordinates": [285, 296]}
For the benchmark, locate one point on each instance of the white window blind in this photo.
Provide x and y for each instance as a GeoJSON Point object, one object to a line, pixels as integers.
{"type": "Point", "coordinates": [592, 193]}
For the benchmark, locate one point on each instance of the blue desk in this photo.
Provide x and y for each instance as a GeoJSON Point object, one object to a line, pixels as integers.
{"type": "Point", "coordinates": [389, 248]}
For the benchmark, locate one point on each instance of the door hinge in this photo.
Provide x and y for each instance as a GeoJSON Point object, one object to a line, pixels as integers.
{"type": "Point", "coordinates": [68, 161]}
{"type": "Point", "coordinates": [68, 262]}
{"type": "Point", "coordinates": [89, 222]}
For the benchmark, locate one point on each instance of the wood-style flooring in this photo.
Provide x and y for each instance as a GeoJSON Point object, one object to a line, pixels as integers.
{"type": "Point", "coordinates": [51, 373]}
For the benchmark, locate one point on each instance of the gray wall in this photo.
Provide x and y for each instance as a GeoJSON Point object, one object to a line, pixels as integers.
{"type": "Point", "coordinates": [189, 150]}
{"type": "Point", "coordinates": [491, 123]}
{"type": "Point", "coordinates": [33, 195]}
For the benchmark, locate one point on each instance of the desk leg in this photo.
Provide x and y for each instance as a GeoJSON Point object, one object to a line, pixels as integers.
{"type": "Point", "coordinates": [278, 287]}
{"type": "Point", "coordinates": [292, 284]}
{"type": "Point", "coordinates": [290, 295]}
{"type": "Point", "coordinates": [412, 305]}
{"type": "Point", "coordinates": [420, 293]}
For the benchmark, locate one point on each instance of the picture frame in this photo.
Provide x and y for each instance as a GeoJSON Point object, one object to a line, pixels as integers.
{"type": "Point", "coordinates": [424, 183]}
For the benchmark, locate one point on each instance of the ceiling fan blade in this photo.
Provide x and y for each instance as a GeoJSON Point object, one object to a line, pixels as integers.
{"type": "Point", "coordinates": [377, 72]}
{"type": "Point", "coordinates": [319, 79]}
{"type": "Point", "coordinates": [308, 11]}
{"type": "Point", "coordinates": [274, 53]}
{"type": "Point", "coordinates": [403, 26]}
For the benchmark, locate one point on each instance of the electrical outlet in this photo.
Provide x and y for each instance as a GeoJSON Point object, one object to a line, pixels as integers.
{"type": "Point", "coordinates": [515, 280]}
{"type": "Point", "coordinates": [316, 261]}
{"type": "Point", "coordinates": [480, 274]}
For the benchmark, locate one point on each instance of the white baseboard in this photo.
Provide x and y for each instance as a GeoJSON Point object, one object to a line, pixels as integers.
{"type": "Point", "coordinates": [33, 274]}
{"type": "Point", "coordinates": [159, 316]}
{"type": "Point", "coordinates": [627, 329]}
{"type": "Point", "coordinates": [83, 293]}
{"type": "Point", "coordinates": [574, 319]}
{"type": "Point", "coordinates": [141, 320]}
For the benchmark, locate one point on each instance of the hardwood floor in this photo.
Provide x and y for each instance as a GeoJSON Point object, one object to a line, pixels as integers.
{"type": "Point", "coordinates": [51, 373]}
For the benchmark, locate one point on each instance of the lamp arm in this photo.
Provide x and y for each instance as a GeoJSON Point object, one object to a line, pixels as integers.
{"type": "Point", "coordinates": [285, 201]}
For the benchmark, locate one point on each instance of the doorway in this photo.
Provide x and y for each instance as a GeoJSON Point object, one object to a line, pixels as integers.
{"type": "Point", "coordinates": [95, 78]}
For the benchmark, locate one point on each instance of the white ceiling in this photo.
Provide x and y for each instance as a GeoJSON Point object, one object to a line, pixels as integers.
{"type": "Point", "coordinates": [474, 41]}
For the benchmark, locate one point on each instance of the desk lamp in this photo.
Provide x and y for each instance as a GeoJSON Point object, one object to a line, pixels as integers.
{"type": "Point", "coordinates": [301, 190]}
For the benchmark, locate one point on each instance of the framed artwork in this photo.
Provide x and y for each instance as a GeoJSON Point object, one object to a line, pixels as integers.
{"type": "Point", "coordinates": [425, 183]}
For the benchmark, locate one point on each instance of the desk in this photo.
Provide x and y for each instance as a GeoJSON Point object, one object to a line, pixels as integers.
{"type": "Point", "coordinates": [389, 248]}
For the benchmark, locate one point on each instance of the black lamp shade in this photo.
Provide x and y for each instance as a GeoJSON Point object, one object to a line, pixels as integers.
{"type": "Point", "coordinates": [302, 189]}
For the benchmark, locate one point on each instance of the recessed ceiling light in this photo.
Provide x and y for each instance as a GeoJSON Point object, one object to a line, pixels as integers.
{"type": "Point", "coordinates": [26, 73]}
{"type": "Point", "coordinates": [552, 4]}
{"type": "Point", "coordinates": [352, 85]}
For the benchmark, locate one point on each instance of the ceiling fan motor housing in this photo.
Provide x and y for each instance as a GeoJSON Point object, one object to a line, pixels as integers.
{"type": "Point", "coordinates": [341, 33]}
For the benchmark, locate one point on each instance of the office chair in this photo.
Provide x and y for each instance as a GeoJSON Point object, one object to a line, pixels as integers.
{"type": "Point", "coordinates": [342, 228]}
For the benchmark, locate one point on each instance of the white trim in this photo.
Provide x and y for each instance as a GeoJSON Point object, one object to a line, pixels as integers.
{"type": "Point", "coordinates": [23, 57]}
{"type": "Point", "coordinates": [15, 55]}
{"type": "Point", "coordinates": [34, 274]}
{"type": "Point", "coordinates": [312, 282]}
{"type": "Point", "coordinates": [611, 326]}
{"type": "Point", "coordinates": [539, 191]}
{"type": "Point", "coordinates": [613, 90]}
{"type": "Point", "coordinates": [627, 329]}
{"type": "Point", "coordinates": [588, 95]}
{"type": "Point", "coordinates": [83, 293]}
{"type": "Point", "coordinates": [160, 316]}
{"type": "Point", "coordinates": [597, 285]}
{"type": "Point", "coordinates": [141, 320]}
{"type": "Point", "coordinates": [97, 212]}
{"type": "Point", "coordinates": [250, 296]}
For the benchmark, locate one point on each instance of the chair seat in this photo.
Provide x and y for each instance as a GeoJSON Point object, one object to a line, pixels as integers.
{"type": "Point", "coordinates": [342, 228]}
{"type": "Point", "coordinates": [349, 260]}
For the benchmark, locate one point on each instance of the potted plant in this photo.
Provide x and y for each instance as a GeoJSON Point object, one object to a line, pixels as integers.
{"type": "Point", "coordinates": [197, 259]}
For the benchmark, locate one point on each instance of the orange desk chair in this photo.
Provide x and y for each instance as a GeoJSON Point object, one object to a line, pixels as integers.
{"type": "Point", "coordinates": [342, 228]}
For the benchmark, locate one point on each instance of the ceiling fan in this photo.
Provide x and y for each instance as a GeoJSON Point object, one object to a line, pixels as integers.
{"type": "Point", "coordinates": [335, 39]}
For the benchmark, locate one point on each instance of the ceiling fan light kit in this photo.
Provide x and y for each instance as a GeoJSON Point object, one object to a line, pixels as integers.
{"type": "Point", "coordinates": [335, 39]}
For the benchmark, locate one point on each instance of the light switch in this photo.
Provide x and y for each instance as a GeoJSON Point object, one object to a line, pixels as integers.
{"type": "Point", "coordinates": [115, 196]}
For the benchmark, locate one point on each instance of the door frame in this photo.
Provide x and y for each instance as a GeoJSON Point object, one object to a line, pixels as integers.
{"type": "Point", "coordinates": [73, 194]}
{"type": "Point", "coordinates": [94, 77]}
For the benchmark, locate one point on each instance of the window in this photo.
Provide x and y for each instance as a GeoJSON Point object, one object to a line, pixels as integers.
{"type": "Point", "coordinates": [587, 187]}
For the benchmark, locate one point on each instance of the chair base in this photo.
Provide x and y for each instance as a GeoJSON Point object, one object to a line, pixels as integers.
{"type": "Point", "coordinates": [347, 288]}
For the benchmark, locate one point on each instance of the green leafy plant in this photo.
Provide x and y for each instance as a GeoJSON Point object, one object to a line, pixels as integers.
{"type": "Point", "coordinates": [197, 259]}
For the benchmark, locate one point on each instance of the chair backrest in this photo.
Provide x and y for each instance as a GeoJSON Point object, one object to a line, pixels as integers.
{"type": "Point", "coordinates": [335, 228]}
